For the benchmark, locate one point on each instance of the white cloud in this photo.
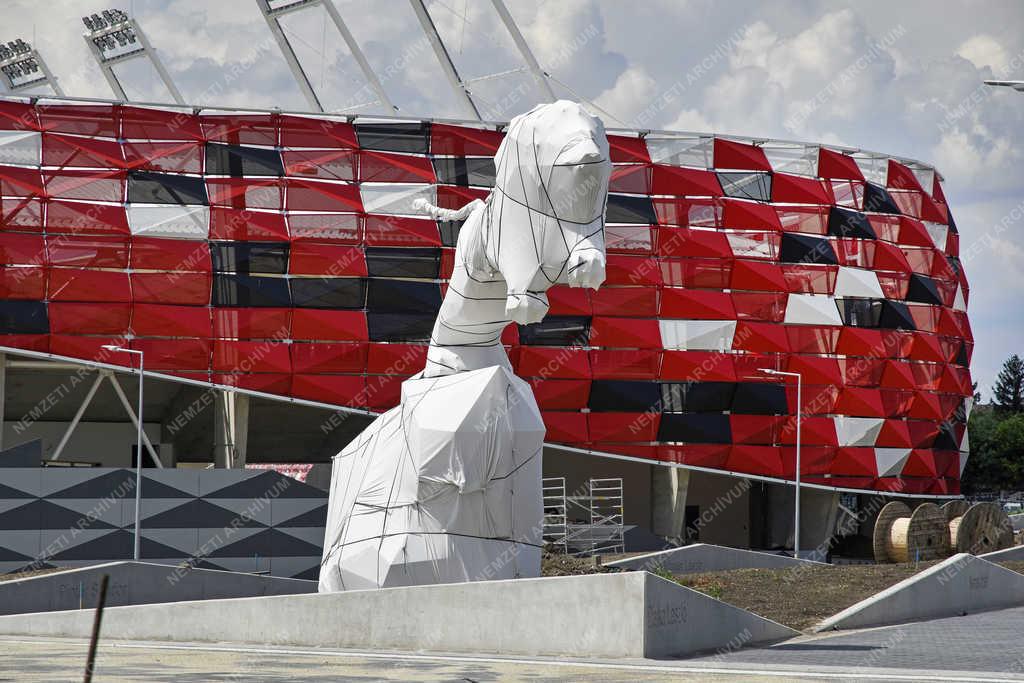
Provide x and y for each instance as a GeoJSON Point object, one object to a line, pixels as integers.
{"type": "Point", "coordinates": [984, 50]}
{"type": "Point", "coordinates": [691, 120]}
{"type": "Point", "coordinates": [632, 91]}
{"type": "Point", "coordinates": [742, 68]}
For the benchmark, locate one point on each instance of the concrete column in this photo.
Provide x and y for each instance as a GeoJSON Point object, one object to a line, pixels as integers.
{"type": "Point", "coordinates": [231, 430]}
{"type": "Point", "coordinates": [819, 511]}
{"type": "Point", "coordinates": [668, 501]}
{"type": "Point", "coordinates": [3, 395]}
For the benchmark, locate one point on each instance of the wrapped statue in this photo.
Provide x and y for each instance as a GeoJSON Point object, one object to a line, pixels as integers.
{"type": "Point", "coordinates": [446, 486]}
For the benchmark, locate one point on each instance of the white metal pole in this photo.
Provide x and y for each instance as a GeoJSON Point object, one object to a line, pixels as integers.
{"type": "Point", "coordinates": [3, 395]}
{"type": "Point", "coordinates": [796, 515]}
{"type": "Point", "coordinates": [138, 466]}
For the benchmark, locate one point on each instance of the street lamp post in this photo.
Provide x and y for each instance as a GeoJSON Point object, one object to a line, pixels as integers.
{"type": "Point", "coordinates": [1016, 85]}
{"type": "Point", "coordinates": [138, 451]}
{"type": "Point", "coordinates": [799, 406]}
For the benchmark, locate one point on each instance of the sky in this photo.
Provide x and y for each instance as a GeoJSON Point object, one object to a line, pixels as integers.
{"type": "Point", "coordinates": [902, 77]}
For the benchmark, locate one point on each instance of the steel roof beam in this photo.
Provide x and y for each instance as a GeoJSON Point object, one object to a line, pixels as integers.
{"type": "Point", "coordinates": [444, 58]}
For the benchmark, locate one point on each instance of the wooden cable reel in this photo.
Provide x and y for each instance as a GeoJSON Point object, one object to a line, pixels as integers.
{"type": "Point", "coordinates": [980, 528]}
{"type": "Point", "coordinates": [904, 536]}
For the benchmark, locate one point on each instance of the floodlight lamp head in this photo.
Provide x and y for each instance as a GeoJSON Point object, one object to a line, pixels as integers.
{"type": "Point", "coordinates": [768, 371]}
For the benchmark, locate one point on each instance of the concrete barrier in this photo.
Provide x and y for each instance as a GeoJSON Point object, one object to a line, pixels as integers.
{"type": "Point", "coordinates": [703, 557]}
{"type": "Point", "coordinates": [1016, 553]}
{"type": "Point", "coordinates": [962, 584]}
{"type": "Point", "coordinates": [137, 583]}
{"type": "Point", "coordinates": [633, 614]}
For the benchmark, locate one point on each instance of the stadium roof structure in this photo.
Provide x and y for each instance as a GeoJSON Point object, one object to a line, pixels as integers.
{"type": "Point", "coordinates": [276, 253]}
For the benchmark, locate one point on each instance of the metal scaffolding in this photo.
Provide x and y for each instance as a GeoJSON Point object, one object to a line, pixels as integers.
{"type": "Point", "coordinates": [587, 523]}
{"type": "Point", "coordinates": [555, 520]}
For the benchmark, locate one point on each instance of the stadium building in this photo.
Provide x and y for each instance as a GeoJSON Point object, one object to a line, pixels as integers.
{"type": "Point", "coordinates": [272, 272]}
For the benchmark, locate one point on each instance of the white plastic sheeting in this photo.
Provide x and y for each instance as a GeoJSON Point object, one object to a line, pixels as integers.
{"type": "Point", "coordinates": [168, 220]}
{"type": "Point", "coordinates": [858, 282]}
{"type": "Point", "coordinates": [890, 461]}
{"type": "Point", "coordinates": [697, 335]}
{"type": "Point", "coordinates": [543, 224]}
{"type": "Point", "coordinates": [812, 309]}
{"type": "Point", "coordinates": [445, 487]}
{"type": "Point", "coordinates": [553, 168]}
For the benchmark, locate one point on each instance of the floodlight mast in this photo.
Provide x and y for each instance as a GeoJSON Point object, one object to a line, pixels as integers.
{"type": "Point", "coordinates": [21, 68]}
{"type": "Point", "coordinates": [273, 11]}
{"type": "Point", "coordinates": [114, 37]}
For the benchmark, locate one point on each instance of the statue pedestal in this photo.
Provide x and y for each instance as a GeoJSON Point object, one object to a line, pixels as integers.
{"type": "Point", "coordinates": [443, 488]}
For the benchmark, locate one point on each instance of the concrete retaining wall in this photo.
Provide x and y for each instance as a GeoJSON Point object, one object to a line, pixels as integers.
{"type": "Point", "coordinates": [137, 583]}
{"type": "Point", "coordinates": [1016, 553]}
{"type": "Point", "coordinates": [601, 615]}
{"type": "Point", "coordinates": [703, 557]}
{"type": "Point", "coordinates": [962, 584]}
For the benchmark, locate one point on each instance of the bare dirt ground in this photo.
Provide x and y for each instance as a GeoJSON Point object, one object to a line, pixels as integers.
{"type": "Point", "coordinates": [797, 597]}
{"type": "Point", "coordinates": [557, 564]}
{"type": "Point", "coordinates": [35, 572]}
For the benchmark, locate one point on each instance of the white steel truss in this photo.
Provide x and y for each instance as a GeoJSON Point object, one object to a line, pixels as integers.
{"type": "Point", "coordinates": [273, 10]}
{"type": "Point", "coordinates": [97, 381]}
{"type": "Point", "coordinates": [113, 37]}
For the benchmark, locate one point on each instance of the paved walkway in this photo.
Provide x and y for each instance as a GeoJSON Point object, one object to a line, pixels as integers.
{"type": "Point", "coordinates": [987, 642]}
{"type": "Point", "coordinates": [972, 649]}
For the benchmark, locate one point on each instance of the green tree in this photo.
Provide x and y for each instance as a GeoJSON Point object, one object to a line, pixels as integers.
{"type": "Point", "coordinates": [985, 468]}
{"type": "Point", "coordinates": [1009, 443]}
{"type": "Point", "coordinates": [1008, 391]}
{"type": "Point", "coordinates": [997, 451]}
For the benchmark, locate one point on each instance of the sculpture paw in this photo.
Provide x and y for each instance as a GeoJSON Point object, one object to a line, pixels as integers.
{"type": "Point", "coordinates": [526, 308]}
{"type": "Point", "coordinates": [586, 268]}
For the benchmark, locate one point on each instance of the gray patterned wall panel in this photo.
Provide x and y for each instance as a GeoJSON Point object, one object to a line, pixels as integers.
{"type": "Point", "coordinates": [238, 520]}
